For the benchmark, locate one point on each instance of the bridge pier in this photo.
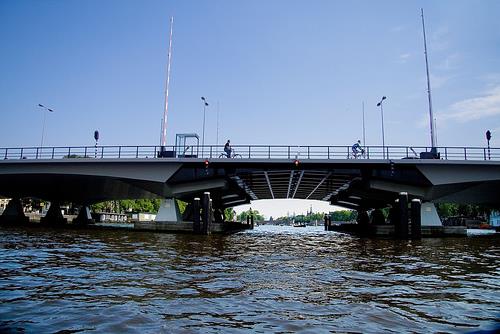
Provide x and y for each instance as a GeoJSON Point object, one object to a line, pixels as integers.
{"type": "Point", "coordinates": [14, 213]}
{"type": "Point", "coordinates": [429, 214]}
{"type": "Point", "coordinates": [218, 215]}
{"type": "Point", "coordinates": [196, 216]}
{"type": "Point", "coordinates": [169, 211]}
{"type": "Point", "coordinates": [401, 224]}
{"type": "Point", "coordinates": [54, 216]}
{"type": "Point", "coordinates": [412, 220]}
{"type": "Point", "coordinates": [207, 214]}
{"type": "Point", "coordinates": [201, 216]}
{"type": "Point", "coordinates": [363, 219]}
{"type": "Point", "coordinates": [416, 219]}
{"type": "Point", "coordinates": [168, 219]}
{"type": "Point", "coordinates": [378, 217]}
{"type": "Point", "coordinates": [84, 217]}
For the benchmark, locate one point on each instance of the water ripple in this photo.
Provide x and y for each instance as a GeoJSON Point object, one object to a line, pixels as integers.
{"type": "Point", "coordinates": [272, 279]}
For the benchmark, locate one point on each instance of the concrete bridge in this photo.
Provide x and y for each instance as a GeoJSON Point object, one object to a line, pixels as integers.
{"type": "Point", "coordinates": [86, 175]}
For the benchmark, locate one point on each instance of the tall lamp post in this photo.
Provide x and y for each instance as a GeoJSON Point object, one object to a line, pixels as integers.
{"type": "Point", "coordinates": [205, 105]}
{"type": "Point", "coordinates": [43, 124]}
{"type": "Point", "coordinates": [380, 104]}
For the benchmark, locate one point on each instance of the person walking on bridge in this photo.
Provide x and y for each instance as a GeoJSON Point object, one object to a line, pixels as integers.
{"type": "Point", "coordinates": [227, 148]}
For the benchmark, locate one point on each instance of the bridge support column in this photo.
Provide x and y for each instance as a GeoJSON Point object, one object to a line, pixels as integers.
{"type": "Point", "coordinates": [196, 216]}
{"type": "Point", "coordinates": [14, 213]}
{"type": "Point", "coordinates": [169, 212]}
{"type": "Point", "coordinates": [54, 216]}
{"type": "Point", "coordinates": [219, 216]}
{"type": "Point", "coordinates": [363, 219]}
{"type": "Point", "coordinates": [325, 218]}
{"type": "Point", "coordinates": [207, 213]}
{"type": "Point", "coordinates": [416, 219]}
{"type": "Point", "coordinates": [84, 217]}
{"type": "Point", "coordinates": [429, 215]}
{"type": "Point", "coordinates": [401, 227]}
{"type": "Point", "coordinates": [378, 217]}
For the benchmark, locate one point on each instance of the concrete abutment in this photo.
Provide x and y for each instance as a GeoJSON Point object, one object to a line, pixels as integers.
{"type": "Point", "coordinates": [203, 217]}
{"type": "Point", "coordinates": [54, 215]}
{"type": "Point", "coordinates": [14, 213]}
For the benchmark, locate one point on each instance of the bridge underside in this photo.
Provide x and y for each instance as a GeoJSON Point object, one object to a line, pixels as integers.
{"type": "Point", "coordinates": [355, 184]}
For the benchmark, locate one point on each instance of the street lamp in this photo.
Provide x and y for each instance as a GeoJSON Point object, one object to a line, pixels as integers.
{"type": "Point", "coordinates": [43, 124]}
{"type": "Point", "coordinates": [205, 105]}
{"type": "Point", "coordinates": [382, 114]}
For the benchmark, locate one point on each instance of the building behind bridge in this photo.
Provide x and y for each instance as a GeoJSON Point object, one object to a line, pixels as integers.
{"type": "Point", "coordinates": [495, 219]}
{"type": "Point", "coordinates": [3, 203]}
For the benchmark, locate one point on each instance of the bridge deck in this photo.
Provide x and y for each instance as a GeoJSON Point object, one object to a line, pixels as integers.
{"type": "Point", "coordinates": [352, 183]}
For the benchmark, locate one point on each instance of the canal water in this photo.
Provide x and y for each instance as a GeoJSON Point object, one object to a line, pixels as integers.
{"type": "Point", "coordinates": [271, 279]}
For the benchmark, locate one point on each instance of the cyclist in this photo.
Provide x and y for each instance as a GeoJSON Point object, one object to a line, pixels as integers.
{"type": "Point", "coordinates": [227, 148]}
{"type": "Point", "coordinates": [357, 150]}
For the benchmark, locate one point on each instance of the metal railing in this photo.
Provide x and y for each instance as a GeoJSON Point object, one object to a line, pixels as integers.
{"type": "Point", "coordinates": [246, 151]}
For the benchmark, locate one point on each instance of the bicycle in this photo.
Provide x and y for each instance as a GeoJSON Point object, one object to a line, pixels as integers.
{"type": "Point", "coordinates": [355, 154]}
{"type": "Point", "coordinates": [232, 155]}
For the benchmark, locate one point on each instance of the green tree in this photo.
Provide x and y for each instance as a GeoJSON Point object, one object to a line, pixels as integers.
{"type": "Point", "coordinates": [229, 214]}
{"type": "Point", "coordinates": [102, 206]}
{"type": "Point", "coordinates": [344, 215]}
{"type": "Point", "coordinates": [446, 210]}
{"type": "Point", "coordinates": [182, 206]}
{"type": "Point", "coordinates": [128, 205]}
{"type": "Point", "coordinates": [256, 215]}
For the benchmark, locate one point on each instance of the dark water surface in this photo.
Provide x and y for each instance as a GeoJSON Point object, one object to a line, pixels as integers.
{"type": "Point", "coordinates": [272, 279]}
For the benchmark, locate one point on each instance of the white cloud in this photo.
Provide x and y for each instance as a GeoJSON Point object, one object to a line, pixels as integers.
{"type": "Point", "coordinates": [439, 39]}
{"type": "Point", "coordinates": [450, 62]}
{"type": "Point", "coordinates": [403, 58]}
{"type": "Point", "coordinates": [398, 29]}
{"type": "Point", "coordinates": [475, 108]}
{"type": "Point", "coordinates": [491, 79]}
{"type": "Point", "coordinates": [438, 81]}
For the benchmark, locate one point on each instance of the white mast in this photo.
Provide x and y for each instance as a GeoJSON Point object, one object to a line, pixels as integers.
{"type": "Point", "coordinates": [217, 137]}
{"type": "Point", "coordinates": [364, 137]}
{"type": "Point", "coordinates": [167, 84]}
{"type": "Point", "coordinates": [431, 117]}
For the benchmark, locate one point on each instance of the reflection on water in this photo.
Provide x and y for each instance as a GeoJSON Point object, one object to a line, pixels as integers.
{"type": "Point", "coordinates": [272, 279]}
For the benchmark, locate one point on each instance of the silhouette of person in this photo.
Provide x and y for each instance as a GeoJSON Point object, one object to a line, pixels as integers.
{"type": "Point", "coordinates": [227, 148]}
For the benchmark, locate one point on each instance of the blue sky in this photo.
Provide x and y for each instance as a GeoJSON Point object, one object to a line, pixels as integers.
{"type": "Point", "coordinates": [283, 72]}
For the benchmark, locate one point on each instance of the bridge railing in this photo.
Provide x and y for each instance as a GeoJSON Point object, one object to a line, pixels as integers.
{"type": "Point", "coordinates": [246, 151]}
